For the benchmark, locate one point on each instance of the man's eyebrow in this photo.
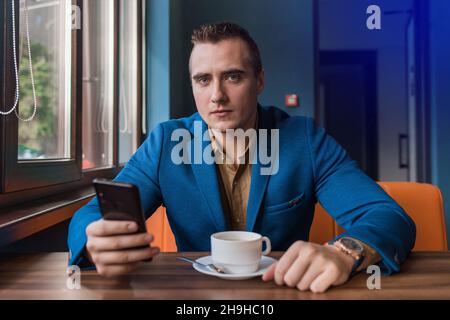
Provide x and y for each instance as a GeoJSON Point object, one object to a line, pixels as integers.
{"type": "Point", "coordinates": [233, 71]}
{"type": "Point", "coordinates": [200, 75]}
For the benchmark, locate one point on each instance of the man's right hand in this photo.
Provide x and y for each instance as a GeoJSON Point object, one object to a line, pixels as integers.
{"type": "Point", "coordinates": [115, 248]}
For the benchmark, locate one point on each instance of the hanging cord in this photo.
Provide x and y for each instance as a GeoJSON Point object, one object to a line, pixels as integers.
{"type": "Point", "coordinates": [30, 66]}
{"type": "Point", "coordinates": [123, 98]}
{"type": "Point", "coordinates": [16, 100]}
{"type": "Point", "coordinates": [16, 69]}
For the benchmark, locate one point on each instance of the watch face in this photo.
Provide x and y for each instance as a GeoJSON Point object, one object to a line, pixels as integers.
{"type": "Point", "coordinates": [352, 244]}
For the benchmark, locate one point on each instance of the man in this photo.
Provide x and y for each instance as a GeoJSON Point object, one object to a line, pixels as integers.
{"type": "Point", "coordinates": [201, 198]}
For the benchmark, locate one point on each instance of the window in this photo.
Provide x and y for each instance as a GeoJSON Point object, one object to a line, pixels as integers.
{"type": "Point", "coordinates": [98, 83]}
{"type": "Point", "coordinates": [100, 34]}
{"type": "Point", "coordinates": [88, 88]}
{"type": "Point", "coordinates": [47, 135]}
{"type": "Point", "coordinates": [44, 150]}
{"type": "Point", "coordinates": [129, 103]}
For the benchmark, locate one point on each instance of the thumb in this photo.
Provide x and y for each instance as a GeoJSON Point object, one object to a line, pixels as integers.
{"type": "Point", "coordinates": [270, 273]}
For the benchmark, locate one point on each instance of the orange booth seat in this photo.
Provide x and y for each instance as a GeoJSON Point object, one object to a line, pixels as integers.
{"type": "Point", "coordinates": [423, 203]}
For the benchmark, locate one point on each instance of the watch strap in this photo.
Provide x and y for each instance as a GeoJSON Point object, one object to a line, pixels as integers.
{"type": "Point", "coordinates": [356, 264]}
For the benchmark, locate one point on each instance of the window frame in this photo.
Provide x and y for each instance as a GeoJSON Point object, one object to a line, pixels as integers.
{"type": "Point", "coordinates": [19, 174]}
{"type": "Point", "coordinates": [22, 181]}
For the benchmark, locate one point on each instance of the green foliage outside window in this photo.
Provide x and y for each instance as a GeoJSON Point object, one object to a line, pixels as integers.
{"type": "Point", "coordinates": [37, 137]}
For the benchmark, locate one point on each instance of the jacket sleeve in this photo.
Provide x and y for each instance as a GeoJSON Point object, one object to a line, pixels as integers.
{"type": "Point", "coordinates": [142, 170]}
{"type": "Point", "coordinates": [358, 203]}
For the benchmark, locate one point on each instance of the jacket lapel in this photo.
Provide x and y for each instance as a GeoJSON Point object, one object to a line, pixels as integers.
{"type": "Point", "coordinates": [206, 174]}
{"type": "Point", "coordinates": [259, 182]}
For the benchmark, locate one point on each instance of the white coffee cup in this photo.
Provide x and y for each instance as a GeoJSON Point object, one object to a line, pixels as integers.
{"type": "Point", "coordinates": [238, 252]}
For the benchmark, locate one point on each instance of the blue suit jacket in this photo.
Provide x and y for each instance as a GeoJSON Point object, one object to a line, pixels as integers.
{"type": "Point", "coordinates": [312, 167]}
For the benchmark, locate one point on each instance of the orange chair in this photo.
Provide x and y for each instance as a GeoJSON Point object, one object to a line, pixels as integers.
{"type": "Point", "coordinates": [423, 202]}
{"type": "Point", "coordinates": [158, 225]}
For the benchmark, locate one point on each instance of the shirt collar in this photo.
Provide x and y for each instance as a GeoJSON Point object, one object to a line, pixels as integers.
{"type": "Point", "coordinates": [218, 150]}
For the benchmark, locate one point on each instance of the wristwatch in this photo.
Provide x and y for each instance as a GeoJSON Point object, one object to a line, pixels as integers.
{"type": "Point", "coordinates": [353, 248]}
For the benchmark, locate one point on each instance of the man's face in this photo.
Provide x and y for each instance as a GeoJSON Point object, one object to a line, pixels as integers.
{"type": "Point", "coordinates": [224, 84]}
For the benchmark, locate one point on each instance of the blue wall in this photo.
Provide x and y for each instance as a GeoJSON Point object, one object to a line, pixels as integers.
{"type": "Point", "coordinates": [440, 98]}
{"type": "Point", "coordinates": [158, 62]}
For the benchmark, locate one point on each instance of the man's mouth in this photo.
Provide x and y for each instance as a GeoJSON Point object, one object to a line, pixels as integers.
{"type": "Point", "coordinates": [221, 112]}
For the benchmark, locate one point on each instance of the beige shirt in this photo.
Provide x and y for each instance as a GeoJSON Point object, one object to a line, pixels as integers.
{"type": "Point", "coordinates": [234, 182]}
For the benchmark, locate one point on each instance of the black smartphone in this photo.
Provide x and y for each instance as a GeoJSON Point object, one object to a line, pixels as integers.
{"type": "Point", "coordinates": [120, 201]}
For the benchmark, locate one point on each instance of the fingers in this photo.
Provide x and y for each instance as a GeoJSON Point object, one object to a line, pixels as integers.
{"type": "Point", "coordinates": [310, 266]}
{"type": "Point", "coordinates": [114, 263]}
{"type": "Point", "coordinates": [125, 256]}
{"type": "Point", "coordinates": [296, 272]}
{"type": "Point", "coordinates": [103, 228]}
{"type": "Point", "coordinates": [287, 260]}
{"type": "Point", "coordinates": [120, 242]}
{"type": "Point", "coordinates": [115, 248]}
{"type": "Point", "coordinates": [270, 272]}
{"type": "Point", "coordinates": [314, 270]}
{"type": "Point", "coordinates": [323, 281]}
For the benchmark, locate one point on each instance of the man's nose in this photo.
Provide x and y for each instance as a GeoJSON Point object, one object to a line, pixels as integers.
{"type": "Point", "coordinates": [218, 94]}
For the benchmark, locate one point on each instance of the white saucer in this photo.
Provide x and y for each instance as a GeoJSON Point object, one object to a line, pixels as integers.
{"type": "Point", "coordinates": [263, 266]}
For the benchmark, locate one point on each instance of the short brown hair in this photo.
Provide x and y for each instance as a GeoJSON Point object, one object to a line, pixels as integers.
{"type": "Point", "coordinates": [213, 33]}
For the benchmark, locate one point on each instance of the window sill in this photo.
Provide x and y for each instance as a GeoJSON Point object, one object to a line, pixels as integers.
{"type": "Point", "coordinates": [24, 220]}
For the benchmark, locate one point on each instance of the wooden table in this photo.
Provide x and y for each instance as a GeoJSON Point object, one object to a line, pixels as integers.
{"type": "Point", "coordinates": [425, 275]}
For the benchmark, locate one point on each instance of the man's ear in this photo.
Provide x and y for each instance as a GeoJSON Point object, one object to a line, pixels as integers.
{"type": "Point", "coordinates": [260, 82]}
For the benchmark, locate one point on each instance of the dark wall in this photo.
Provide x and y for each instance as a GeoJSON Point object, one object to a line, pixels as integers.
{"type": "Point", "coordinates": [440, 98]}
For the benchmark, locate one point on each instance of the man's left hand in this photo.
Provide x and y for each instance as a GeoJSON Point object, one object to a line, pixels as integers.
{"type": "Point", "coordinates": [310, 266]}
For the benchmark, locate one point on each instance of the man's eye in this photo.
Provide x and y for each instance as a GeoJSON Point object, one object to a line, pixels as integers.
{"type": "Point", "coordinates": [235, 77]}
{"type": "Point", "coordinates": [203, 81]}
